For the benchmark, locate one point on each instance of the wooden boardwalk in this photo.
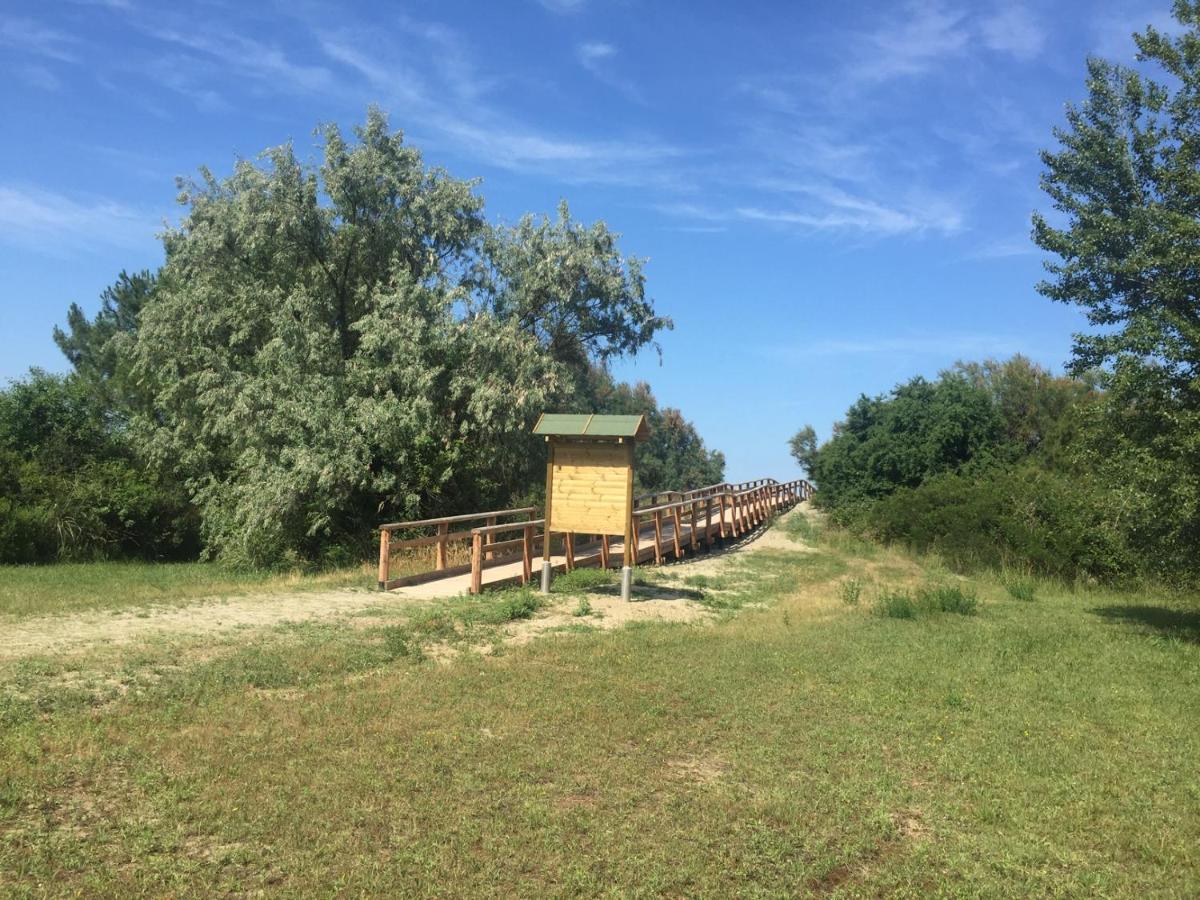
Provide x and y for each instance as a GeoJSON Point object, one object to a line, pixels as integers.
{"type": "Point", "coordinates": [668, 525]}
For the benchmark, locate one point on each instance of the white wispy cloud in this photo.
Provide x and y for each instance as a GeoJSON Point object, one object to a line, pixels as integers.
{"type": "Point", "coordinates": [39, 77]}
{"type": "Point", "coordinates": [563, 6]}
{"type": "Point", "coordinates": [833, 209]}
{"type": "Point", "coordinates": [450, 100]}
{"type": "Point", "coordinates": [911, 43]}
{"type": "Point", "coordinates": [592, 52]}
{"type": "Point", "coordinates": [1005, 248]}
{"type": "Point", "coordinates": [56, 224]}
{"type": "Point", "coordinates": [32, 37]}
{"type": "Point", "coordinates": [599, 58]}
{"type": "Point", "coordinates": [948, 345]}
{"type": "Point", "coordinates": [1014, 30]}
{"type": "Point", "coordinates": [267, 62]}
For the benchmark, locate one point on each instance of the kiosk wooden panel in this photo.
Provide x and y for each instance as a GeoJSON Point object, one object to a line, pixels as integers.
{"type": "Point", "coordinates": [589, 484]}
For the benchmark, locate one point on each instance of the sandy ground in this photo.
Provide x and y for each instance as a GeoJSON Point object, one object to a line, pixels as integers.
{"type": "Point", "coordinates": [51, 634]}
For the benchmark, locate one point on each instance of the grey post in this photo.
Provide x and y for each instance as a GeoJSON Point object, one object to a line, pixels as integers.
{"type": "Point", "coordinates": [626, 582]}
{"type": "Point", "coordinates": [545, 576]}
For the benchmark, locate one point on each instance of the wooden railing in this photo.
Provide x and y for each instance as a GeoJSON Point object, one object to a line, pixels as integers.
{"type": "Point", "coordinates": [440, 541]}
{"type": "Point", "coordinates": [717, 512]}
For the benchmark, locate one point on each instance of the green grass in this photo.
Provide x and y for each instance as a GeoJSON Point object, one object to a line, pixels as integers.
{"type": "Point", "coordinates": [797, 747]}
{"type": "Point", "coordinates": [76, 587]}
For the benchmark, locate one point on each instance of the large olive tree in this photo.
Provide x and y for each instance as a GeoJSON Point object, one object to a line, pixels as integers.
{"type": "Point", "coordinates": [327, 345]}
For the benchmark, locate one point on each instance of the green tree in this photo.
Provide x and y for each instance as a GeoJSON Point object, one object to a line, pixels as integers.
{"type": "Point", "coordinates": [97, 348]}
{"type": "Point", "coordinates": [569, 286]}
{"type": "Point", "coordinates": [1125, 180]}
{"type": "Point", "coordinates": [327, 346]}
{"type": "Point", "coordinates": [885, 443]}
{"type": "Point", "coordinates": [70, 488]}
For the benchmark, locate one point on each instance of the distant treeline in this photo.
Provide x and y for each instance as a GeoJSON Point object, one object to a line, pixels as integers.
{"type": "Point", "coordinates": [1001, 464]}
{"type": "Point", "coordinates": [326, 347]}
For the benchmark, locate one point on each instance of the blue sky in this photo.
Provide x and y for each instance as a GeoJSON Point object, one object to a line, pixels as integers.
{"type": "Point", "coordinates": [832, 197]}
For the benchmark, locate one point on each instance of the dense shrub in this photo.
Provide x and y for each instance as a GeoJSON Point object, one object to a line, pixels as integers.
{"type": "Point", "coordinates": [72, 489]}
{"type": "Point", "coordinates": [1002, 464]}
{"type": "Point", "coordinates": [1022, 515]}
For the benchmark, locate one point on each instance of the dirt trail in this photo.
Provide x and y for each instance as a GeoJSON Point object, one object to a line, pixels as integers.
{"type": "Point", "coordinates": [54, 634]}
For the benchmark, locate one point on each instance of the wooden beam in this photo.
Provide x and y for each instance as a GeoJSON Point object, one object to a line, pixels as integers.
{"type": "Point", "coordinates": [443, 531]}
{"type": "Point", "coordinates": [476, 563]}
{"type": "Point", "coordinates": [385, 557]}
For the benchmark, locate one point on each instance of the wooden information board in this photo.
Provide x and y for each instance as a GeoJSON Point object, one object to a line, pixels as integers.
{"type": "Point", "coordinates": [591, 487]}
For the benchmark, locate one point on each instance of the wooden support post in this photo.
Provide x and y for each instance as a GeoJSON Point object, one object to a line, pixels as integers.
{"type": "Point", "coordinates": [604, 551]}
{"type": "Point", "coordinates": [658, 537]}
{"type": "Point", "coordinates": [489, 539]}
{"type": "Point", "coordinates": [527, 552]}
{"type": "Point", "coordinates": [569, 550]}
{"type": "Point", "coordinates": [443, 531]}
{"type": "Point", "coordinates": [476, 562]}
{"type": "Point", "coordinates": [385, 557]}
{"type": "Point", "coordinates": [721, 504]}
{"type": "Point", "coordinates": [692, 533]}
{"type": "Point", "coordinates": [708, 505]}
{"type": "Point", "coordinates": [676, 536]}
{"type": "Point", "coordinates": [630, 548]}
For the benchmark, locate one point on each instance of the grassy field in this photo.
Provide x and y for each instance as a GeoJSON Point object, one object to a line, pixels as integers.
{"type": "Point", "coordinates": [81, 587]}
{"type": "Point", "coordinates": [817, 736]}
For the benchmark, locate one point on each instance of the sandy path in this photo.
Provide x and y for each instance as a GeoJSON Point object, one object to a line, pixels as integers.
{"type": "Point", "coordinates": [50, 634]}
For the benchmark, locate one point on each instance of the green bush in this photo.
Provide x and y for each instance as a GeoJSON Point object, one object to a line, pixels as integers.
{"type": "Point", "coordinates": [947, 598]}
{"type": "Point", "coordinates": [895, 605]}
{"type": "Point", "coordinates": [1020, 590]}
{"type": "Point", "coordinates": [928, 600]}
{"type": "Point", "coordinates": [71, 487]}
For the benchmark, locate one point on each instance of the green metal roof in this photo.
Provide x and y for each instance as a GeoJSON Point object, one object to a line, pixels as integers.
{"type": "Point", "coordinates": [585, 425]}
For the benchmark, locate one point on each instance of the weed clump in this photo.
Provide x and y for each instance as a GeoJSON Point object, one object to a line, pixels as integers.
{"type": "Point", "coordinates": [1021, 590]}
{"type": "Point", "coordinates": [930, 600]}
{"type": "Point", "coordinates": [895, 605]}
{"type": "Point", "coordinates": [583, 608]}
{"type": "Point", "coordinates": [517, 605]}
{"type": "Point", "coordinates": [850, 591]}
{"type": "Point", "coordinates": [399, 643]}
{"type": "Point", "coordinates": [583, 580]}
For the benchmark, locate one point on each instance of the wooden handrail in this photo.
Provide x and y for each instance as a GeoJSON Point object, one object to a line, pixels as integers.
{"type": "Point", "coordinates": [716, 511]}
{"type": "Point", "coordinates": [449, 520]}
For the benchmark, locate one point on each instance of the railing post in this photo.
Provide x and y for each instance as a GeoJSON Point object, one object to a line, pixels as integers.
{"type": "Point", "coordinates": [527, 553]}
{"type": "Point", "coordinates": [385, 557]}
{"type": "Point", "coordinates": [490, 539]}
{"type": "Point", "coordinates": [604, 551]}
{"type": "Point", "coordinates": [677, 521]}
{"type": "Point", "coordinates": [443, 532]}
{"type": "Point", "coordinates": [476, 562]}
{"type": "Point", "coordinates": [692, 533]}
{"type": "Point", "coordinates": [569, 549]}
{"type": "Point", "coordinates": [658, 537]}
{"type": "Point", "coordinates": [708, 523]}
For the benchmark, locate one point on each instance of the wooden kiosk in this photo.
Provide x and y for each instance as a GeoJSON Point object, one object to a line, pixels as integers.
{"type": "Point", "coordinates": [589, 481]}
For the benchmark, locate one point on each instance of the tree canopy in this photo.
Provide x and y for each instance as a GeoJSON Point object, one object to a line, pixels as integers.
{"type": "Point", "coordinates": [333, 343]}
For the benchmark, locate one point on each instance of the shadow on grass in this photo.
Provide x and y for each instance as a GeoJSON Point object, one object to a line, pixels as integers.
{"type": "Point", "coordinates": [645, 591]}
{"type": "Point", "coordinates": [1176, 623]}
